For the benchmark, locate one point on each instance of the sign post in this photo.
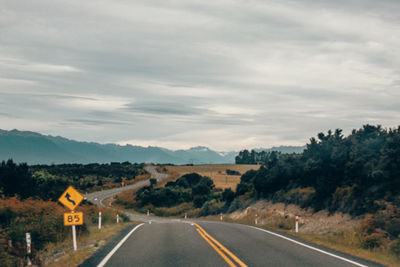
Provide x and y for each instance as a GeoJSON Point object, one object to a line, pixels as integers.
{"type": "Point", "coordinates": [297, 224]}
{"type": "Point", "coordinates": [74, 237]}
{"type": "Point", "coordinates": [71, 198]}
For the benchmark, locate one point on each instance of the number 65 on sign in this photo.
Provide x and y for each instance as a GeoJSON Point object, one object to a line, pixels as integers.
{"type": "Point", "coordinates": [73, 218]}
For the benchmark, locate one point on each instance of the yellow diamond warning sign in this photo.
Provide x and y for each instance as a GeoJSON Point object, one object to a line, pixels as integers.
{"type": "Point", "coordinates": [71, 198]}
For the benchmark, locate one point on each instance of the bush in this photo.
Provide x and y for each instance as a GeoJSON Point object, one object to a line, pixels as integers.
{"type": "Point", "coordinates": [393, 227]}
{"type": "Point", "coordinates": [228, 195]}
{"type": "Point", "coordinates": [211, 207]}
{"type": "Point", "coordinates": [153, 182]}
{"type": "Point", "coordinates": [395, 247]}
{"type": "Point", "coordinates": [199, 200]}
{"type": "Point", "coordinates": [299, 196]}
{"type": "Point", "coordinates": [232, 172]}
{"type": "Point", "coordinates": [285, 223]}
{"type": "Point", "coordinates": [373, 240]}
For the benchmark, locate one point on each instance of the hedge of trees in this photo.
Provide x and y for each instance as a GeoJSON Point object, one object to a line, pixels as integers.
{"type": "Point", "coordinates": [358, 170]}
{"type": "Point", "coordinates": [49, 181]}
{"type": "Point", "coordinates": [191, 191]}
{"type": "Point", "coordinates": [112, 170]}
{"type": "Point", "coordinates": [254, 157]}
{"type": "Point", "coordinates": [358, 174]}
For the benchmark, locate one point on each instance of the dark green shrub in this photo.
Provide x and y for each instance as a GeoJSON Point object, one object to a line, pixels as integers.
{"type": "Point", "coordinates": [395, 247]}
{"type": "Point", "coordinates": [373, 240]}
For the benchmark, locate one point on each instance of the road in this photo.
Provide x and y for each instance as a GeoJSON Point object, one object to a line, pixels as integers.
{"type": "Point", "coordinates": [187, 242]}
{"type": "Point", "coordinates": [98, 197]}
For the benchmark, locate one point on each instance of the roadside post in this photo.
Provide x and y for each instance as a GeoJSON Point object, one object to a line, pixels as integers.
{"type": "Point", "coordinates": [99, 220]}
{"type": "Point", "coordinates": [117, 218]}
{"type": "Point", "coordinates": [297, 224]}
{"type": "Point", "coordinates": [74, 236]}
{"type": "Point", "coordinates": [28, 248]}
{"type": "Point", "coordinates": [256, 220]}
{"type": "Point", "coordinates": [185, 215]}
{"type": "Point", "coordinates": [220, 216]}
{"type": "Point", "coordinates": [71, 198]}
{"type": "Point", "coordinates": [148, 212]}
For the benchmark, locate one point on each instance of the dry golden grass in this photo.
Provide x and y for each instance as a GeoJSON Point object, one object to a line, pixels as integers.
{"type": "Point", "coordinates": [87, 245]}
{"type": "Point", "coordinates": [217, 172]}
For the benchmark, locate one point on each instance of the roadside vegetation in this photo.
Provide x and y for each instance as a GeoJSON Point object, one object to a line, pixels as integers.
{"type": "Point", "coordinates": [28, 203]}
{"type": "Point", "coordinates": [192, 194]}
{"type": "Point", "coordinates": [47, 182]}
{"type": "Point", "coordinates": [358, 175]}
{"type": "Point", "coordinates": [44, 221]}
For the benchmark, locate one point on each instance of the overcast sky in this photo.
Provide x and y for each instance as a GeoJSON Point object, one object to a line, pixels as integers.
{"type": "Point", "coordinates": [224, 74]}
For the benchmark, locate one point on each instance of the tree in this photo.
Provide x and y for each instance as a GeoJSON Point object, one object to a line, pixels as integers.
{"type": "Point", "coordinates": [153, 181]}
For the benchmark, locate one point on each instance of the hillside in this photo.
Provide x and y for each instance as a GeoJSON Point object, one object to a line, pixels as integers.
{"type": "Point", "coordinates": [35, 148]}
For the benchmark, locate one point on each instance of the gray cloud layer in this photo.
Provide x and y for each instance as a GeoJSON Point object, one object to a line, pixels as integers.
{"type": "Point", "coordinates": [226, 74]}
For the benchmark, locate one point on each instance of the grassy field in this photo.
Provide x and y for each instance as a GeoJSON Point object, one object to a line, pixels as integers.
{"type": "Point", "coordinates": [217, 172]}
{"type": "Point", "coordinates": [62, 254]}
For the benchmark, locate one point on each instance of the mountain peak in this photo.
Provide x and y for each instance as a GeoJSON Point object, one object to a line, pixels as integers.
{"type": "Point", "coordinates": [16, 132]}
{"type": "Point", "coordinates": [199, 149]}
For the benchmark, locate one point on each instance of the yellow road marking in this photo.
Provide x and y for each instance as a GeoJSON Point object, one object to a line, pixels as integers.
{"type": "Point", "coordinates": [216, 249]}
{"type": "Point", "coordinates": [200, 229]}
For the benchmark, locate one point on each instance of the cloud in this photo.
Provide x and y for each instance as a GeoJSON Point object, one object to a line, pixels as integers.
{"type": "Point", "coordinates": [96, 122]}
{"type": "Point", "coordinates": [163, 108]}
{"type": "Point", "coordinates": [227, 74]}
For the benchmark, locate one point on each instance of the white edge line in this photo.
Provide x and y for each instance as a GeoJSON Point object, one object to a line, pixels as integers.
{"type": "Point", "coordinates": [111, 253]}
{"type": "Point", "coordinates": [310, 247]}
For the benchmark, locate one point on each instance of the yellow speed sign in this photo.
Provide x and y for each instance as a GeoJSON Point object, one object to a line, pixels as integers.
{"type": "Point", "coordinates": [73, 218]}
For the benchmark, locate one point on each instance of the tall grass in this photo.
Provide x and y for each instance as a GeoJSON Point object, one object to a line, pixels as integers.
{"type": "Point", "coordinates": [44, 221]}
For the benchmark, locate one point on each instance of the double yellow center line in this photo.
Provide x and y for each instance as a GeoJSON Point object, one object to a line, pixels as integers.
{"type": "Point", "coordinates": [228, 256]}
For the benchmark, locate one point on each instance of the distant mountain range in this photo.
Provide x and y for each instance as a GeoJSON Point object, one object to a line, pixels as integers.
{"type": "Point", "coordinates": [35, 148]}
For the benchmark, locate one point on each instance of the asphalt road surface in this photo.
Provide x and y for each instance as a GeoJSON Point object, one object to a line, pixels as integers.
{"type": "Point", "coordinates": [186, 242]}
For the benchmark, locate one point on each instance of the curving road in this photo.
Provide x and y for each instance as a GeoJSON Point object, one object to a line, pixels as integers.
{"type": "Point", "coordinates": [176, 242]}
{"type": "Point", "coordinates": [98, 197]}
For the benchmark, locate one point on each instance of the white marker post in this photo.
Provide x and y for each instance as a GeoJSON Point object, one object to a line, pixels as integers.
{"type": "Point", "coordinates": [256, 220]}
{"type": "Point", "coordinates": [220, 216]}
{"type": "Point", "coordinates": [297, 224]}
{"type": "Point", "coordinates": [99, 220]}
{"type": "Point", "coordinates": [117, 218]}
{"type": "Point", "coordinates": [148, 212]}
{"type": "Point", "coordinates": [28, 248]}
